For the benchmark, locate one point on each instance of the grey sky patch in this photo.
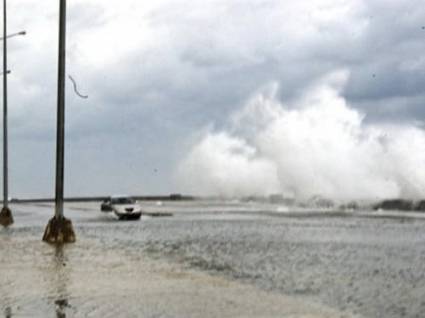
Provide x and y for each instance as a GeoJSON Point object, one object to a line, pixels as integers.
{"type": "Point", "coordinates": [159, 72]}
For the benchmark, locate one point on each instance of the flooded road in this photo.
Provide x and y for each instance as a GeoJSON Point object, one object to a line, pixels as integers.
{"type": "Point", "coordinates": [215, 259]}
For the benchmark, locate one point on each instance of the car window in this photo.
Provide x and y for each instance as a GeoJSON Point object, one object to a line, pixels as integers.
{"type": "Point", "coordinates": [123, 201]}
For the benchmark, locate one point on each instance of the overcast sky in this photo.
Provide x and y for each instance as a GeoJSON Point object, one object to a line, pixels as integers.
{"type": "Point", "coordinates": [158, 73]}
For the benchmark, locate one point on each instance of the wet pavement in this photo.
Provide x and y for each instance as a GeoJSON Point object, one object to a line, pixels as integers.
{"type": "Point", "coordinates": [215, 259]}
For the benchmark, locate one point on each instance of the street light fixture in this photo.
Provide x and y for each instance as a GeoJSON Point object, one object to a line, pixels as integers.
{"type": "Point", "coordinates": [14, 34]}
{"type": "Point", "coordinates": [6, 217]}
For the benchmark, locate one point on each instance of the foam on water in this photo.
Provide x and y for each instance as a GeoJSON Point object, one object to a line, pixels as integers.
{"type": "Point", "coordinates": [105, 279]}
{"type": "Point", "coordinates": [214, 259]}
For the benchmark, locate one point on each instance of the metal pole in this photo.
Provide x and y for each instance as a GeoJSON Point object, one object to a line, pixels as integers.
{"type": "Point", "coordinates": [59, 230]}
{"type": "Point", "coordinates": [60, 135]}
{"type": "Point", "coordinates": [5, 156]}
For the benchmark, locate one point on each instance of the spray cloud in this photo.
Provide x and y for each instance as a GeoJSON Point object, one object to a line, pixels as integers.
{"type": "Point", "coordinates": [319, 146]}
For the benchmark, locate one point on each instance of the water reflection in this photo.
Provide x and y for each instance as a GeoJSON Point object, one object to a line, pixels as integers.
{"type": "Point", "coordinates": [5, 298]}
{"type": "Point", "coordinates": [60, 281]}
{"type": "Point", "coordinates": [8, 312]}
{"type": "Point", "coordinates": [61, 306]}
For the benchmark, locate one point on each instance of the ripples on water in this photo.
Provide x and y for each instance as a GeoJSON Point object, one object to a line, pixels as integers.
{"type": "Point", "coordinates": [371, 266]}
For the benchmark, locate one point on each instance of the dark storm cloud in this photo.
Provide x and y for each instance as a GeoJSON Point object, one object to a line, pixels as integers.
{"type": "Point", "coordinates": [157, 73]}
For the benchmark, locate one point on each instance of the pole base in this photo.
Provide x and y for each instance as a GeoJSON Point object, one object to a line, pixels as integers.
{"type": "Point", "coordinates": [59, 231]}
{"type": "Point", "coordinates": [6, 217]}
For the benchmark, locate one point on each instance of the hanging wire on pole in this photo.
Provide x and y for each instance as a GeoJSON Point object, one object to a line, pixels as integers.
{"type": "Point", "coordinates": [75, 88]}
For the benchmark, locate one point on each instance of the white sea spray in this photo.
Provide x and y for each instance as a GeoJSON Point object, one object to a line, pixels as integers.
{"type": "Point", "coordinates": [318, 146]}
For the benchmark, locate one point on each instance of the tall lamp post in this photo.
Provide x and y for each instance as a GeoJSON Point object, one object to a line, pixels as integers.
{"type": "Point", "coordinates": [6, 217]}
{"type": "Point", "coordinates": [59, 230]}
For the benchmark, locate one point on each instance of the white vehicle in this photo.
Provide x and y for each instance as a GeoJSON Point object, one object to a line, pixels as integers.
{"type": "Point", "coordinates": [124, 207]}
